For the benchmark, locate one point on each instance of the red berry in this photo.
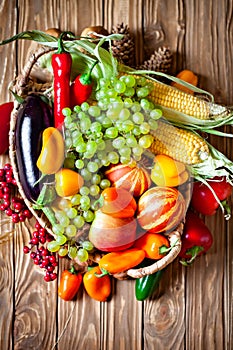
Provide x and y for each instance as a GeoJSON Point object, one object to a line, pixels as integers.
{"type": "Point", "coordinates": [35, 240]}
{"type": "Point", "coordinates": [47, 278]}
{"type": "Point", "coordinates": [15, 218]}
{"type": "Point", "coordinates": [26, 250]}
{"type": "Point", "coordinates": [53, 276]}
{"type": "Point", "coordinates": [9, 212]}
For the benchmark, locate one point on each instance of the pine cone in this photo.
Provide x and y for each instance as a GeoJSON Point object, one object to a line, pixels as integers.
{"type": "Point", "coordinates": [123, 50]}
{"type": "Point", "coordinates": [159, 61]}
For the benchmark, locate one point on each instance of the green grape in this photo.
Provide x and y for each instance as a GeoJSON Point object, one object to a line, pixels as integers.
{"type": "Point", "coordinates": [106, 122]}
{"type": "Point", "coordinates": [66, 111]}
{"type": "Point", "coordinates": [129, 80]}
{"type": "Point", "coordinates": [113, 157]}
{"type": "Point", "coordinates": [96, 127]}
{"type": "Point", "coordinates": [105, 183]}
{"type": "Point", "coordinates": [85, 106]}
{"type": "Point", "coordinates": [118, 142]}
{"type": "Point", "coordinates": [145, 141]}
{"type": "Point", "coordinates": [145, 104]}
{"type": "Point", "coordinates": [71, 213]}
{"type": "Point", "coordinates": [111, 93]}
{"type": "Point", "coordinates": [125, 151]}
{"type": "Point", "coordinates": [85, 124]}
{"type": "Point", "coordinates": [61, 239]}
{"type": "Point", "coordinates": [127, 126]}
{"type": "Point", "coordinates": [111, 132]}
{"type": "Point", "coordinates": [156, 113]}
{"type": "Point", "coordinates": [92, 167]}
{"type": "Point", "coordinates": [128, 102]}
{"type": "Point", "coordinates": [119, 86]}
{"type": "Point", "coordinates": [138, 118]}
{"type": "Point", "coordinates": [79, 163]}
{"type": "Point", "coordinates": [124, 114]}
{"type": "Point", "coordinates": [68, 142]}
{"type": "Point", "coordinates": [64, 221]}
{"type": "Point", "coordinates": [58, 229]}
{"type": "Point", "coordinates": [94, 190]}
{"type": "Point", "coordinates": [103, 105]}
{"type": "Point", "coordinates": [94, 111]}
{"type": "Point", "coordinates": [81, 147]}
{"type": "Point", "coordinates": [136, 130]}
{"type": "Point", "coordinates": [88, 215]}
{"type": "Point", "coordinates": [78, 221]}
{"type": "Point", "coordinates": [145, 128]}
{"type": "Point", "coordinates": [141, 81]}
{"type": "Point", "coordinates": [143, 91]}
{"type": "Point", "coordinates": [82, 255]}
{"type": "Point", "coordinates": [84, 191]}
{"type": "Point", "coordinates": [153, 124]}
{"type": "Point", "coordinates": [136, 107]}
{"type": "Point", "coordinates": [105, 162]}
{"type": "Point", "coordinates": [124, 160]}
{"type": "Point", "coordinates": [137, 151]}
{"type": "Point", "coordinates": [64, 203]}
{"type": "Point", "coordinates": [75, 199]}
{"type": "Point", "coordinates": [63, 251]}
{"type": "Point", "coordinates": [91, 147]}
{"type": "Point", "coordinates": [71, 231]}
{"type": "Point", "coordinates": [129, 91]}
{"type": "Point", "coordinates": [101, 145]}
{"type": "Point", "coordinates": [131, 141]}
{"type": "Point", "coordinates": [87, 245]}
{"type": "Point", "coordinates": [86, 175]}
{"type": "Point", "coordinates": [96, 178]}
{"type": "Point", "coordinates": [72, 253]}
{"type": "Point", "coordinates": [101, 155]}
{"type": "Point", "coordinates": [53, 246]}
{"type": "Point", "coordinates": [85, 202]}
{"type": "Point", "coordinates": [82, 115]}
{"type": "Point", "coordinates": [77, 109]}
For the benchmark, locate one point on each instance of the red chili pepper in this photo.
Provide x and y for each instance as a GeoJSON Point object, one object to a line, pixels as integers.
{"type": "Point", "coordinates": [69, 284]}
{"type": "Point", "coordinates": [81, 88]}
{"type": "Point", "coordinates": [61, 64]}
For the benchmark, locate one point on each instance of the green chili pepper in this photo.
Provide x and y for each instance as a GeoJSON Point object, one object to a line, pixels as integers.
{"type": "Point", "coordinates": [146, 285]}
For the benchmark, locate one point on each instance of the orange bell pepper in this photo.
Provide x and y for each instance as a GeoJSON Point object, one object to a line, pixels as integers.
{"type": "Point", "coordinates": [116, 262]}
{"type": "Point", "coordinates": [154, 245]}
{"type": "Point", "coordinates": [69, 284]}
{"type": "Point", "coordinates": [98, 288]}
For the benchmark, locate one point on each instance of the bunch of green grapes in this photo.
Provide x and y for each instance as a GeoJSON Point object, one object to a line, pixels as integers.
{"type": "Point", "coordinates": [115, 129]}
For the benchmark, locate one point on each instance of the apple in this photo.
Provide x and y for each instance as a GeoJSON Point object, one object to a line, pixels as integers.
{"type": "Point", "coordinates": [111, 234]}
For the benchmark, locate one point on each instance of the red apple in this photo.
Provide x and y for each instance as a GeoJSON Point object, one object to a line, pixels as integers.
{"type": "Point", "coordinates": [111, 234]}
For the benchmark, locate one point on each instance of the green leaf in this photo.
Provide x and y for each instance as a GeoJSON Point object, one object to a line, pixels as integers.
{"type": "Point", "coordinates": [35, 35]}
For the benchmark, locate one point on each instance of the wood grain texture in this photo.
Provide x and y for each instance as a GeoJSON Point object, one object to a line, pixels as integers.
{"type": "Point", "coordinates": [193, 307]}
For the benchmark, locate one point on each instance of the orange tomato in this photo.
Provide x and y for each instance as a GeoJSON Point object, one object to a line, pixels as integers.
{"type": "Point", "coordinates": [68, 182]}
{"type": "Point", "coordinates": [98, 288]}
{"type": "Point", "coordinates": [151, 244]}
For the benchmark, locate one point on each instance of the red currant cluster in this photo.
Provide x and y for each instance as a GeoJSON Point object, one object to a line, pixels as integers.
{"type": "Point", "coordinates": [13, 206]}
{"type": "Point", "coordinates": [40, 254]}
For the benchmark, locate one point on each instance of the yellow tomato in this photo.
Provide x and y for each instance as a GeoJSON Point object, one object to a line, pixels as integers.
{"type": "Point", "coordinates": [68, 182]}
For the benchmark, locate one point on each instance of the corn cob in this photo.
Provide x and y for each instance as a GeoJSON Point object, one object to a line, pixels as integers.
{"type": "Point", "coordinates": [174, 99]}
{"type": "Point", "coordinates": [180, 144]}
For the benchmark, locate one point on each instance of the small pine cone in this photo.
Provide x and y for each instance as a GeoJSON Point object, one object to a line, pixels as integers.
{"type": "Point", "coordinates": [123, 50]}
{"type": "Point", "coordinates": [159, 61]}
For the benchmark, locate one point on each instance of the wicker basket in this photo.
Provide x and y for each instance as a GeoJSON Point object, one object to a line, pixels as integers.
{"type": "Point", "coordinates": [25, 84]}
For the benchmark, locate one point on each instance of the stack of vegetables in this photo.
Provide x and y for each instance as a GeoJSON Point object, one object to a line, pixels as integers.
{"type": "Point", "coordinates": [109, 155]}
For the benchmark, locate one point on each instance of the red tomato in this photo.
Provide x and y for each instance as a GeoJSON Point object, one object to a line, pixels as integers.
{"type": "Point", "coordinates": [203, 200]}
{"type": "Point", "coordinates": [196, 238]}
{"type": "Point", "coordinates": [118, 202]}
{"type": "Point", "coordinates": [5, 113]}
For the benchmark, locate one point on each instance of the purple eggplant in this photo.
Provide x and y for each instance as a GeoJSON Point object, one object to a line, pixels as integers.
{"type": "Point", "coordinates": [33, 117]}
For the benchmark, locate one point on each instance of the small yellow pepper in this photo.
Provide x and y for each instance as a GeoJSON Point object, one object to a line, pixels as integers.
{"type": "Point", "coordinates": [52, 154]}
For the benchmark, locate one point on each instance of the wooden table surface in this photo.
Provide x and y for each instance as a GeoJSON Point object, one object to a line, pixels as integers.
{"type": "Point", "coordinates": [193, 307]}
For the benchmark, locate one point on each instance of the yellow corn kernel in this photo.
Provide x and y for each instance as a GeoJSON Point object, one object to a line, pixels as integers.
{"type": "Point", "coordinates": [182, 145]}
